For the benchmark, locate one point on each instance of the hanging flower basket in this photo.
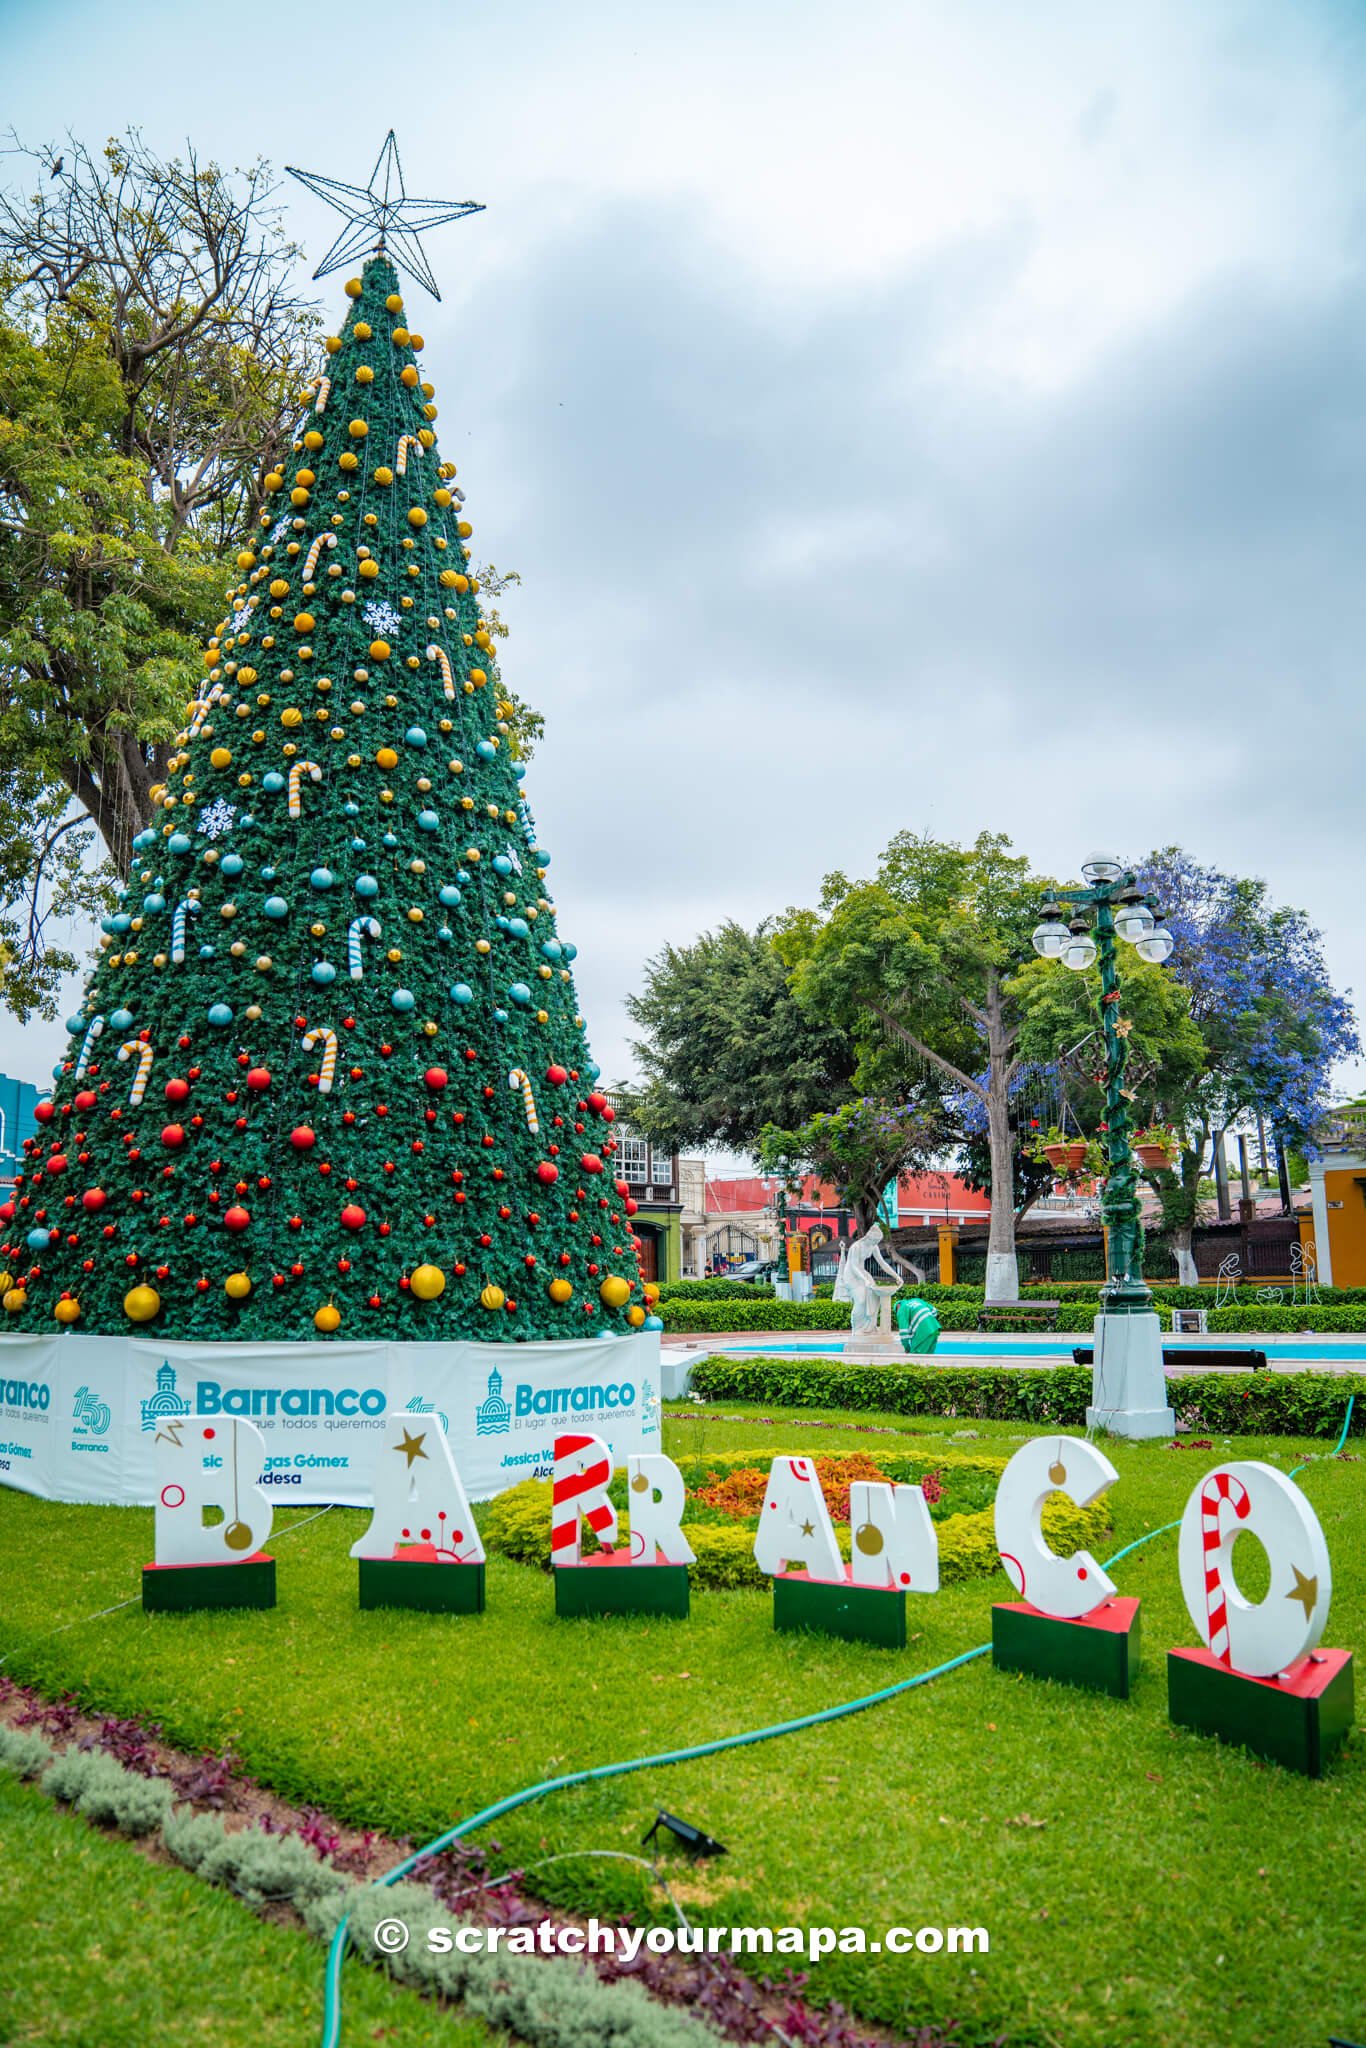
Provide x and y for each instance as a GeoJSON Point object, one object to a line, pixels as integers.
{"type": "Point", "coordinates": [1155, 1157]}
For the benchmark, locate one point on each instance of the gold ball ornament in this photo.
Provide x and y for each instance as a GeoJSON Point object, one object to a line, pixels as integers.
{"type": "Point", "coordinates": [353, 287]}
{"type": "Point", "coordinates": [427, 1282]}
{"type": "Point", "coordinates": [67, 1311]}
{"type": "Point", "coordinates": [384, 475]}
{"type": "Point", "coordinates": [379, 650]}
{"type": "Point", "coordinates": [635, 1316]}
{"type": "Point", "coordinates": [408, 376]}
{"type": "Point", "coordinates": [332, 344]}
{"type": "Point", "coordinates": [363, 330]}
{"type": "Point", "coordinates": [313, 441]}
{"type": "Point", "coordinates": [615, 1291]}
{"type": "Point", "coordinates": [246, 560]}
{"type": "Point", "coordinates": [15, 1299]}
{"type": "Point", "coordinates": [394, 303]}
{"type": "Point", "coordinates": [365, 375]}
{"type": "Point", "coordinates": [386, 758]}
{"type": "Point", "coordinates": [221, 757]}
{"type": "Point", "coordinates": [561, 1290]}
{"type": "Point", "coordinates": [492, 1297]}
{"type": "Point", "coordinates": [369, 569]}
{"type": "Point", "coordinates": [327, 1318]}
{"type": "Point", "coordinates": [237, 1286]}
{"type": "Point", "coordinates": [291, 715]}
{"type": "Point", "coordinates": [141, 1303]}
{"type": "Point", "coordinates": [417, 516]}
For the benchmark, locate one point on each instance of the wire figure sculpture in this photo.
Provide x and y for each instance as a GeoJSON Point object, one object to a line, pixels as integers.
{"type": "Point", "coordinates": [1226, 1284]}
{"type": "Point", "coordinates": [1304, 1275]}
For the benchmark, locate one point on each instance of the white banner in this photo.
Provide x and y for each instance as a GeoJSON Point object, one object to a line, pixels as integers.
{"type": "Point", "coordinates": [78, 1413]}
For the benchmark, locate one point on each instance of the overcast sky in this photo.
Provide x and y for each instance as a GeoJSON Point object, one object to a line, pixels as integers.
{"type": "Point", "coordinates": [934, 416]}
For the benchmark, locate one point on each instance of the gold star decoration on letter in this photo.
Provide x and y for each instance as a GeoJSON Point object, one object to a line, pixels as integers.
{"type": "Point", "coordinates": [1306, 1591]}
{"type": "Point", "coordinates": [808, 1528]}
{"type": "Point", "coordinates": [381, 218]}
{"type": "Point", "coordinates": [412, 1447]}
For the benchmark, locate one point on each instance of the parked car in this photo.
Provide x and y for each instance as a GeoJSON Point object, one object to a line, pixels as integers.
{"type": "Point", "coordinates": [756, 1271]}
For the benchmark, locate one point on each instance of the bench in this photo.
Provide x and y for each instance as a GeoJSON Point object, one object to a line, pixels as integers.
{"type": "Point", "coordinates": [1226, 1356]}
{"type": "Point", "coordinates": [991, 1311]}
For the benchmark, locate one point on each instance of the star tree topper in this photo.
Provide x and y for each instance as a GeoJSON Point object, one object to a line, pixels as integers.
{"type": "Point", "coordinates": [381, 218]}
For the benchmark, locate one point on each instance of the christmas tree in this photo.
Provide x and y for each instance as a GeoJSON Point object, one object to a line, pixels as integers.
{"type": "Point", "coordinates": [330, 1074]}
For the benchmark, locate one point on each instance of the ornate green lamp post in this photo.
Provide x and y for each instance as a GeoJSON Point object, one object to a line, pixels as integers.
{"type": "Point", "coordinates": [1111, 907]}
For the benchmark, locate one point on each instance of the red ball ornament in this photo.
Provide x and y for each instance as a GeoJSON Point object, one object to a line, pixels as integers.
{"type": "Point", "coordinates": [7, 1212]}
{"type": "Point", "coordinates": [631, 1206]}
{"type": "Point", "coordinates": [57, 1163]}
{"type": "Point", "coordinates": [237, 1218]}
{"type": "Point", "coordinates": [201, 1285]}
{"type": "Point", "coordinates": [173, 1135]}
{"type": "Point", "coordinates": [177, 1089]}
{"type": "Point", "coordinates": [86, 1099]}
{"type": "Point", "coordinates": [92, 1200]}
{"type": "Point", "coordinates": [597, 1102]}
{"type": "Point", "coordinates": [591, 1163]}
{"type": "Point", "coordinates": [45, 1111]}
{"type": "Point", "coordinates": [353, 1217]}
{"type": "Point", "coordinates": [259, 1078]}
{"type": "Point", "coordinates": [436, 1078]}
{"type": "Point", "coordinates": [343, 1265]}
{"type": "Point", "coordinates": [302, 1138]}
{"type": "Point", "coordinates": [557, 1076]}
{"type": "Point", "coordinates": [547, 1172]}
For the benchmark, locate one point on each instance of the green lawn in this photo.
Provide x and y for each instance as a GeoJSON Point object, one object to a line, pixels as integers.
{"type": "Point", "coordinates": [1140, 1886]}
{"type": "Point", "coordinates": [109, 1950]}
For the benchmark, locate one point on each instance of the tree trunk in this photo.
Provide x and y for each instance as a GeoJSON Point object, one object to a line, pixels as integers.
{"type": "Point", "coordinates": [1003, 1272]}
{"type": "Point", "coordinates": [1186, 1274]}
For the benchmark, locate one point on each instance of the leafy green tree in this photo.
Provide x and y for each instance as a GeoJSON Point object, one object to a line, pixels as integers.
{"type": "Point", "coordinates": [727, 1048]}
{"type": "Point", "coordinates": [151, 353]}
{"type": "Point", "coordinates": [860, 1147]}
{"type": "Point", "coordinates": [920, 968]}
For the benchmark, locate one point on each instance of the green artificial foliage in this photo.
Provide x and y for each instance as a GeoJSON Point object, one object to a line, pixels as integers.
{"type": "Point", "coordinates": [342, 848]}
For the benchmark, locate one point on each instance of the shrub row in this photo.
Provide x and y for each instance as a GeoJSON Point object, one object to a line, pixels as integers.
{"type": "Point", "coordinates": [518, 1525]}
{"type": "Point", "coordinates": [1253, 1404]}
{"type": "Point", "coordinates": [959, 1312]}
{"type": "Point", "coordinates": [1164, 1295]}
{"type": "Point", "coordinates": [526, 1996]}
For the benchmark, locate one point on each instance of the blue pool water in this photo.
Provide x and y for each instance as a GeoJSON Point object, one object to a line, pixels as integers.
{"type": "Point", "coordinates": [1343, 1350]}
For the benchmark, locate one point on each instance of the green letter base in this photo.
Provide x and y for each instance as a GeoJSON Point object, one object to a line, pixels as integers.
{"type": "Point", "coordinates": [1098, 1650]}
{"type": "Point", "coordinates": [1297, 1721]}
{"type": "Point", "coordinates": [418, 1583]}
{"type": "Point", "coordinates": [860, 1614]}
{"type": "Point", "coordinates": [608, 1583]}
{"type": "Point", "coordinates": [179, 1588]}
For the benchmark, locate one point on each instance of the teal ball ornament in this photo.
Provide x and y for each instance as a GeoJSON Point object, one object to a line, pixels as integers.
{"type": "Point", "coordinates": [179, 842]}
{"type": "Point", "coordinates": [448, 894]}
{"type": "Point", "coordinates": [232, 863]}
{"type": "Point", "coordinates": [321, 879]}
{"type": "Point", "coordinates": [462, 993]}
{"type": "Point", "coordinates": [154, 904]}
{"type": "Point", "coordinates": [273, 781]}
{"type": "Point", "coordinates": [120, 1020]}
{"type": "Point", "coordinates": [365, 885]}
{"type": "Point", "coordinates": [427, 821]}
{"type": "Point", "coordinates": [324, 973]}
{"type": "Point", "coordinates": [415, 736]}
{"type": "Point", "coordinates": [275, 906]}
{"type": "Point", "coordinates": [519, 992]}
{"type": "Point", "coordinates": [219, 1013]}
{"type": "Point", "coordinates": [403, 999]}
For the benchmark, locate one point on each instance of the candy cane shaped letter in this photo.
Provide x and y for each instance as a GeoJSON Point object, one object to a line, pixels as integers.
{"type": "Point", "coordinates": [327, 1071]}
{"type": "Point", "coordinates": [518, 1079]}
{"type": "Point", "coordinates": [1218, 1488]}
{"type": "Point", "coordinates": [358, 929]}
{"type": "Point", "coordinates": [184, 909]}
{"type": "Point", "coordinates": [324, 540]}
{"type": "Point", "coordinates": [583, 1468]}
{"type": "Point", "coordinates": [443, 661]}
{"type": "Point", "coordinates": [96, 1026]}
{"type": "Point", "coordinates": [138, 1049]}
{"type": "Point", "coordinates": [408, 441]}
{"type": "Point", "coordinates": [296, 776]}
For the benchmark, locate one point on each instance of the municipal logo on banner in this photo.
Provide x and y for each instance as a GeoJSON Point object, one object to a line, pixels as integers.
{"type": "Point", "coordinates": [493, 1417]}
{"type": "Point", "coordinates": [165, 1405]}
{"type": "Point", "coordinates": [89, 1415]}
{"type": "Point", "coordinates": [417, 1406]}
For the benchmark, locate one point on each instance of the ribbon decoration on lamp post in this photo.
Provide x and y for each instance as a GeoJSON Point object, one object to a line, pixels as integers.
{"type": "Point", "coordinates": [1113, 907]}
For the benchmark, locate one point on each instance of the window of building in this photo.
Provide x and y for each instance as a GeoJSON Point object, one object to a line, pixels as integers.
{"type": "Point", "coordinates": [633, 1161]}
{"type": "Point", "coordinates": [664, 1169]}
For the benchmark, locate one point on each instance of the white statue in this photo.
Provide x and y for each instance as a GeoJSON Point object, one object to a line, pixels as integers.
{"type": "Point", "coordinates": [870, 1311]}
{"type": "Point", "coordinates": [840, 1290]}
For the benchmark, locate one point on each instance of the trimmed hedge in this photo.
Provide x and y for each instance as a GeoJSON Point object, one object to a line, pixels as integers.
{"type": "Point", "coordinates": [1164, 1296]}
{"type": "Point", "coordinates": [959, 1312]}
{"type": "Point", "coordinates": [1255, 1404]}
{"type": "Point", "coordinates": [715, 1290]}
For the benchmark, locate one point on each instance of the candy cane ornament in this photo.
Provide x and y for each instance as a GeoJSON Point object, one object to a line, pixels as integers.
{"type": "Point", "coordinates": [327, 1069]}
{"type": "Point", "coordinates": [324, 541]}
{"type": "Point", "coordinates": [201, 709]}
{"type": "Point", "coordinates": [358, 929]}
{"type": "Point", "coordinates": [518, 1078]}
{"type": "Point", "coordinates": [443, 662]}
{"type": "Point", "coordinates": [93, 1031]}
{"type": "Point", "coordinates": [583, 1469]}
{"type": "Point", "coordinates": [406, 442]}
{"type": "Point", "coordinates": [1218, 1488]}
{"type": "Point", "coordinates": [138, 1048]}
{"type": "Point", "coordinates": [186, 908]}
{"type": "Point", "coordinates": [296, 776]}
{"type": "Point", "coordinates": [324, 393]}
